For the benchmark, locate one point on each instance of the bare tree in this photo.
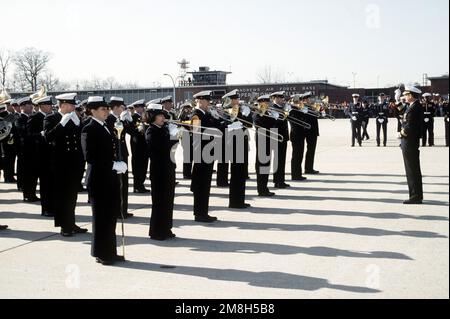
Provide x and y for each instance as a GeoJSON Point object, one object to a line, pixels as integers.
{"type": "Point", "coordinates": [5, 61]}
{"type": "Point", "coordinates": [52, 83]}
{"type": "Point", "coordinates": [30, 63]}
{"type": "Point", "coordinates": [265, 76]}
{"type": "Point", "coordinates": [111, 83]}
{"type": "Point", "coordinates": [19, 83]}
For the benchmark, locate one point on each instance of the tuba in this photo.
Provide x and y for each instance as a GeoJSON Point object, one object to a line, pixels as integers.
{"type": "Point", "coordinates": [4, 97]}
{"type": "Point", "coordinates": [39, 94]}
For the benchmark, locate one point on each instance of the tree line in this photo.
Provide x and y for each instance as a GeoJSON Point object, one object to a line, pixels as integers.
{"type": "Point", "coordinates": [27, 70]}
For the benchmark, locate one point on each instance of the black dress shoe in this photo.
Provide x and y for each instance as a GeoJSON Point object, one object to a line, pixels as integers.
{"type": "Point", "coordinates": [413, 202]}
{"type": "Point", "coordinates": [31, 199]}
{"type": "Point", "coordinates": [126, 216]}
{"type": "Point", "coordinates": [66, 233]}
{"type": "Point", "coordinates": [47, 214]}
{"type": "Point", "coordinates": [282, 185]}
{"type": "Point", "coordinates": [266, 194]}
{"type": "Point", "coordinates": [105, 262]}
{"type": "Point", "coordinates": [313, 172]}
{"type": "Point", "coordinates": [79, 230]}
{"type": "Point", "coordinates": [119, 258]}
{"type": "Point", "coordinates": [3, 227]}
{"type": "Point", "coordinates": [141, 191]}
{"type": "Point", "coordinates": [158, 238]}
{"type": "Point", "coordinates": [205, 219]}
{"type": "Point", "coordinates": [299, 178]}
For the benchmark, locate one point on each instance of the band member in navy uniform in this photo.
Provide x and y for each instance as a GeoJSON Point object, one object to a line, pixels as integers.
{"type": "Point", "coordinates": [279, 176]}
{"type": "Point", "coordinates": [365, 115]}
{"type": "Point", "coordinates": [311, 138]}
{"type": "Point", "coordinates": [411, 133]}
{"type": "Point", "coordinates": [139, 157]}
{"type": "Point", "coordinates": [100, 150]}
{"type": "Point", "coordinates": [355, 112]}
{"type": "Point", "coordinates": [161, 138]}
{"type": "Point", "coordinates": [297, 138]}
{"type": "Point", "coordinates": [26, 159]}
{"type": "Point", "coordinates": [382, 109]}
{"type": "Point", "coordinates": [429, 112]}
{"type": "Point", "coordinates": [121, 116]}
{"type": "Point", "coordinates": [41, 151]}
{"type": "Point", "coordinates": [264, 120]}
{"type": "Point", "coordinates": [237, 142]}
{"type": "Point", "coordinates": [63, 131]}
{"type": "Point", "coordinates": [202, 172]}
{"type": "Point", "coordinates": [7, 147]}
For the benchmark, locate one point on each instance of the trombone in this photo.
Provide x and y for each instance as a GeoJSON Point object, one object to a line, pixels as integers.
{"type": "Point", "coordinates": [189, 124]}
{"type": "Point", "coordinates": [262, 108]}
{"type": "Point", "coordinates": [234, 113]}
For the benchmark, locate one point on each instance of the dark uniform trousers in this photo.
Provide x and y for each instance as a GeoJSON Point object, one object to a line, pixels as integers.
{"type": "Point", "coordinates": [122, 155]}
{"type": "Point", "coordinates": [139, 157]}
{"type": "Point", "coordinates": [162, 176]}
{"type": "Point", "coordinates": [223, 166]}
{"type": "Point", "coordinates": [26, 159]}
{"type": "Point", "coordinates": [41, 165]}
{"type": "Point", "coordinates": [279, 176]}
{"type": "Point", "coordinates": [428, 125]}
{"type": "Point", "coordinates": [239, 170]}
{"type": "Point", "coordinates": [100, 151]}
{"type": "Point", "coordinates": [410, 144]}
{"type": "Point", "coordinates": [187, 146]}
{"type": "Point", "coordinates": [298, 146]}
{"type": "Point", "coordinates": [311, 142]}
{"type": "Point", "coordinates": [67, 161]}
{"type": "Point", "coordinates": [263, 164]}
{"type": "Point", "coordinates": [356, 131]}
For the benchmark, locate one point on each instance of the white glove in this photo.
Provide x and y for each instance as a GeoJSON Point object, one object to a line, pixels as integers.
{"type": "Point", "coordinates": [305, 110]}
{"type": "Point", "coordinates": [427, 120]}
{"type": "Point", "coordinates": [215, 114]}
{"type": "Point", "coordinates": [381, 121]}
{"type": "Point", "coordinates": [75, 119]}
{"type": "Point", "coordinates": [65, 119]}
{"type": "Point", "coordinates": [126, 116]}
{"type": "Point", "coordinates": [120, 167]}
{"type": "Point", "coordinates": [274, 115]}
{"type": "Point", "coordinates": [235, 126]}
{"type": "Point", "coordinates": [288, 108]}
{"type": "Point", "coordinates": [246, 111]}
{"type": "Point", "coordinates": [354, 118]}
{"type": "Point", "coordinates": [173, 130]}
{"type": "Point", "coordinates": [43, 133]}
{"type": "Point", "coordinates": [398, 95]}
{"type": "Point", "coordinates": [324, 114]}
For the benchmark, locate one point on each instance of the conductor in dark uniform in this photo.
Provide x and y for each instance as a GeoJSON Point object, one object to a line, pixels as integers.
{"type": "Point", "coordinates": [100, 150]}
{"type": "Point", "coordinates": [139, 157]}
{"type": "Point", "coordinates": [382, 109]}
{"type": "Point", "coordinates": [429, 112]}
{"type": "Point", "coordinates": [279, 176]}
{"type": "Point", "coordinates": [264, 120]}
{"type": "Point", "coordinates": [237, 145]}
{"type": "Point", "coordinates": [410, 143]}
{"type": "Point", "coordinates": [202, 120]}
{"type": "Point", "coordinates": [161, 138]}
{"type": "Point", "coordinates": [42, 151]}
{"type": "Point", "coordinates": [63, 131]}
{"type": "Point", "coordinates": [121, 117]}
{"type": "Point", "coordinates": [355, 113]}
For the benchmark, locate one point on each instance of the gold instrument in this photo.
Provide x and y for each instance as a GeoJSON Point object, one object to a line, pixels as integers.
{"type": "Point", "coordinates": [234, 113]}
{"type": "Point", "coordinates": [192, 127]}
{"type": "Point", "coordinates": [39, 94]}
{"type": "Point", "coordinates": [4, 96]}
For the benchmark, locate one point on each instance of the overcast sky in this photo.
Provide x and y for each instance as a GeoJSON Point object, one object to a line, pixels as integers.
{"type": "Point", "coordinates": [385, 41]}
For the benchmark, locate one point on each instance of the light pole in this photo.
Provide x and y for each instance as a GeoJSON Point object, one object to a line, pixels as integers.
{"type": "Point", "coordinates": [354, 79]}
{"type": "Point", "coordinates": [174, 89]}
